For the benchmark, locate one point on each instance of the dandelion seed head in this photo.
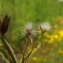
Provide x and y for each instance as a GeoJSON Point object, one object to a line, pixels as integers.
{"type": "Point", "coordinates": [28, 29]}
{"type": "Point", "coordinates": [29, 25]}
{"type": "Point", "coordinates": [45, 26]}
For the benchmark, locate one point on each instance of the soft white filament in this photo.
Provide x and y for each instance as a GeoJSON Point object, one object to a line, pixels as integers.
{"type": "Point", "coordinates": [45, 26]}
{"type": "Point", "coordinates": [28, 29]}
{"type": "Point", "coordinates": [29, 25]}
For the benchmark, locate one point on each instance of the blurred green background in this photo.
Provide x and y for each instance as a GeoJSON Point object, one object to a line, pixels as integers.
{"type": "Point", "coordinates": [22, 11]}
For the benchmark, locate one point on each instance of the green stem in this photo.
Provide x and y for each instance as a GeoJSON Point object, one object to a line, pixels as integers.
{"type": "Point", "coordinates": [13, 46]}
{"type": "Point", "coordinates": [24, 53]}
{"type": "Point", "coordinates": [3, 57]}
{"type": "Point", "coordinates": [4, 51]}
{"type": "Point", "coordinates": [23, 59]}
{"type": "Point", "coordinates": [11, 51]}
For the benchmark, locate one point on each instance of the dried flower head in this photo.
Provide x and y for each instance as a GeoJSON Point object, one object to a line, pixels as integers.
{"type": "Point", "coordinates": [28, 29]}
{"type": "Point", "coordinates": [45, 26]}
{"type": "Point", "coordinates": [29, 25]}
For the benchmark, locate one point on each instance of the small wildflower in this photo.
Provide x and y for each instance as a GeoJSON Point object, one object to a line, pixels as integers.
{"type": "Point", "coordinates": [45, 26]}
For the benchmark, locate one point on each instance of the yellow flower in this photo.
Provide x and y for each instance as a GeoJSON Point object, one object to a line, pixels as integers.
{"type": "Point", "coordinates": [51, 40]}
{"type": "Point", "coordinates": [61, 33]}
{"type": "Point", "coordinates": [34, 58]}
{"type": "Point", "coordinates": [56, 36]}
{"type": "Point", "coordinates": [60, 51]}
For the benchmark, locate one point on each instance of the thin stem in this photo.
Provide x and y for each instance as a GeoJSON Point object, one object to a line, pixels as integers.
{"type": "Point", "coordinates": [24, 52]}
{"type": "Point", "coordinates": [3, 57]}
{"type": "Point", "coordinates": [13, 46]}
{"type": "Point", "coordinates": [11, 51]}
{"type": "Point", "coordinates": [6, 54]}
{"type": "Point", "coordinates": [33, 48]}
{"type": "Point", "coordinates": [23, 59]}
